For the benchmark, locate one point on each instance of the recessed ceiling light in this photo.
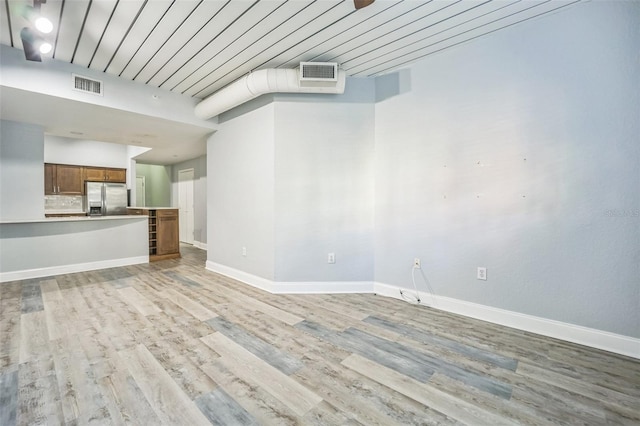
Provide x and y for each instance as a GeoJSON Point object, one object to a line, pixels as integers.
{"type": "Point", "coordinates": [76, 133]}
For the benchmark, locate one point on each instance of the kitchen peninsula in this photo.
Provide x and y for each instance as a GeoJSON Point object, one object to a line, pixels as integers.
{"type": "Point", "coordinates": [34, 248]}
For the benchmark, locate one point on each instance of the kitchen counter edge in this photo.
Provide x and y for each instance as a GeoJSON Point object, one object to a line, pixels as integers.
{"type": "Point", "coordinates": [74, 219]}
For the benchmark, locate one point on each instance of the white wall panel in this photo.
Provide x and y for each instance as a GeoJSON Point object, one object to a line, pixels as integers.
{"type": "Point", "coordinates": [94, 26]}
{"type": "Point", "coordinates": [81, 152]}
{"type": "Point", "coordinates": [69, 29]}
{"type": "Point", "coordinates": [141, 30]}
{"type": "Point", "coordinates": [178, 12]}
{"type": "Point", "coordinates": [123, 17]}
{"type": "Point", "coordinates": [174, 45]}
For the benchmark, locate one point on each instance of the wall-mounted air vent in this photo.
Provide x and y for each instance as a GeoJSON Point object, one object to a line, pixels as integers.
{"type": "Point", "coordinates": [86, 85]}
{"type": "Point", "coordinates": [318, 71]}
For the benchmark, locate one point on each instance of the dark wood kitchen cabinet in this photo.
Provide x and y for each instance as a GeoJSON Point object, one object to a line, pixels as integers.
{"type": "Point", "coordinates": [94, 174]}
{"type": "Point", "coordinates": [65, 179]}
{"type": "Point", "coordinates": [164, 236]}
{"type": "Point", "coordinates": [116, 175]}
{"type": "Point", "coordinates": [103, 174]}
{"type": "Point", "coordinates": [62, 179]}
{"type": "Point", "coordinates": [167, 232]}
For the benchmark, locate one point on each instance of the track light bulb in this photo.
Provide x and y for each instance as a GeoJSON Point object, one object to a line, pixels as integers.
{"type": "Point", "coordinates": [45, 47]}
{"type": "Point", "coordinates": [33, 15]}
{"type": "Point", "coordinates": [43, 25]}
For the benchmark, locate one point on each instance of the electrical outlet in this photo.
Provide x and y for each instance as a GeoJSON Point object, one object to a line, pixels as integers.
{"type": "Point", "coordinates": [244, 251]}
{"type": "Point", "coordinates": [331, 258]}
{"type": "Point", "coordinates": [482, 273]}
{"type": "Point", "coordinates": [416, 263]}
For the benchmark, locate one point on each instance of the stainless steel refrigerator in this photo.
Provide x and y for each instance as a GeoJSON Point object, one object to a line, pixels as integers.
{"type": "Point", "coordinates": [104, 198]}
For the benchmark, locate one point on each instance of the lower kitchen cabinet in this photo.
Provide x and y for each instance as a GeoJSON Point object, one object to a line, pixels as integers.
{"type": "Point", "coordinates": [164, 235]}
{"type": "Point", "coordinates": [167, 232]}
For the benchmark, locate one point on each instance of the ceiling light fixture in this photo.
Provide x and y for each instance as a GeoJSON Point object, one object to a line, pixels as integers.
{"type": "Point", "coordinates": [34, 45]}
{"type": "Point", "coordinates": [33, 41]}
{"type": "Point", "coordinates": [43, 25]}
{"type": "Point", "coordinates": [32, 14]}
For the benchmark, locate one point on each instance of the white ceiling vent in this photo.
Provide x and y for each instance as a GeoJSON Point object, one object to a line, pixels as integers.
{"type": "Point", "coordinates": [318, 71]}
{"type": "Point", "coordinates": [87, 85]}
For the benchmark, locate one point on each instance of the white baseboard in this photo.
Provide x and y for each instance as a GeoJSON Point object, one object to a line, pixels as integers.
{"type": "Point", "coordinates": [252, 280]}
{"type": "Point", "coordinates": [323, 287]}
{"type": "Point", "coordinates": [200, 245]}
{"type": "Point", "coordinates": [291, 287]}
{"type": "Point", "coordinates": [70, 269]}
{"type": "Point", "coordinates": [604, 340]}
{"type": "Point", "coordinates": [607, 341]}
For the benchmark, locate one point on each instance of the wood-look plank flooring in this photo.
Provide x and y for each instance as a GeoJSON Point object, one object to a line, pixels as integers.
{"type": "Point", "coordinates": [170, 343]}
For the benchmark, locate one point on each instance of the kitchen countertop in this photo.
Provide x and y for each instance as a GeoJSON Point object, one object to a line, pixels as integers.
{"type": "Point", "coordinates": [73, 219]}
{"type": "Point", "coordinates": [154, 208]}
{"type": "Point", "coordinates": [64, 212]}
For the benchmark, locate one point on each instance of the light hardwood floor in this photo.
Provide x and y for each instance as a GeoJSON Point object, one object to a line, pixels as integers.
{"type": "Point", "coordinates": [171, 343]}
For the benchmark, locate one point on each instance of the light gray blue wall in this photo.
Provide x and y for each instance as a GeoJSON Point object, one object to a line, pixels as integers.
{"type": "Point", "coordinates": [240, 193]}
{"type": "Point", "coordinates": [157, 184]}
{"type": "Point", "coordinates": [292, 180]}
{"type": "Point", "coordinates": [519, 152]}
{"type": "Point", "coordinates": [21, 171]}
{"type": "Point", "coordinates": [324, 185]}
{"type": "Point", "coordinates": [199, 166]}
{"type": "Point", "coordinates": [50, 247]}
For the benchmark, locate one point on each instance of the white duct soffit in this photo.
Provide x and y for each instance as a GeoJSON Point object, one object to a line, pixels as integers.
{"type": "Point", "coordinates": [261, 82]}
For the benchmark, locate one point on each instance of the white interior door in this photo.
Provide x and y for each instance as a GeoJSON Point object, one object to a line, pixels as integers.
{"type": "Point", "coordinates": [140, 191]}
{"type": "Point", "coordinates": [185, 203]}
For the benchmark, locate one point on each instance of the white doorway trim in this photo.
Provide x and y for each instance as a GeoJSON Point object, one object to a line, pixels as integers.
{"type": "Point", "coordinates": [140, 191]}
{"type": "Point", "coordinates": [186, 204]}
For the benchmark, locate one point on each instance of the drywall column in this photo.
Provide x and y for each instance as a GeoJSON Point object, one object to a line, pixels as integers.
{"type": "Point", "coordinates": [21, 171]}
{"type": "Point", "coordinates": [240, 195]}
{"type": "Point", "coordinates": [324, 190]}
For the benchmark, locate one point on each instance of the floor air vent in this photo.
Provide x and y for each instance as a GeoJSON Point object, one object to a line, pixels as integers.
{"type": "Point", "coordinates": [318, 71]}
{"type": "Point", "coordinates": [87, 85]}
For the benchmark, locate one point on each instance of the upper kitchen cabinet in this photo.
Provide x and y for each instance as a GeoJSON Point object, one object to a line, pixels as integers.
{"type": "Point", "coordinates": [62, 179]}
{"type": "Point", "coordinates": [102, 174]}
{"type": "Point", "coordinates": [49, 179]}
{"type": "Point", "coordinates": [116, 175]}
{"type": "Point", "coordinates": [94, 174]}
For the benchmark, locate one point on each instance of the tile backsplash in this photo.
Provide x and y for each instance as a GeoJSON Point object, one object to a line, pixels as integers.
{"type": "Point", "coordinates": [63, 203]}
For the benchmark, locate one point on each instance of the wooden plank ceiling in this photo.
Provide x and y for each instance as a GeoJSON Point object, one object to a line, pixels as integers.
{"type": "Point", "coordinates": [197, 47]}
